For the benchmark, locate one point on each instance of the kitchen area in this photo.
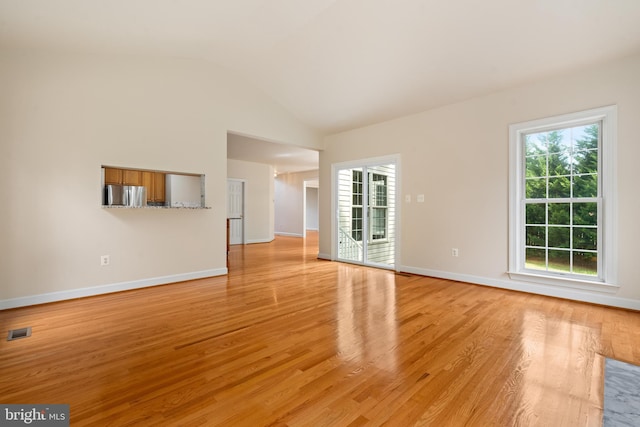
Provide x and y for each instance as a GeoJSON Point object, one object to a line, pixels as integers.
{"type": "Point", "coordinates": [142, 188]}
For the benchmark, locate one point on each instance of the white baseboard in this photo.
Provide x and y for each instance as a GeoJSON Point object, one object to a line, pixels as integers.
{"type": "Point", "coordinates": [558, 292]}
{"type": "Point", "coordinates": [106, 289]}
{"type": "Point", "coordinates": [252, 241]}
{"type": "Point", "coordinates": [324, 256]}
{"type": "Point", "coordinates": [552, 291]}
{"type": "Point", "coordinates": [282, 233]}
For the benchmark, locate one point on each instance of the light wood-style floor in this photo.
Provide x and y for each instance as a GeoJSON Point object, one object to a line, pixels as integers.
{"type": "Point", "coordinates": [289, 340]}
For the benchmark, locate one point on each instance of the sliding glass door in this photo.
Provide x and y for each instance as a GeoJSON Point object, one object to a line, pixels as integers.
{"type": "Point", "coordinates": [366, 213]}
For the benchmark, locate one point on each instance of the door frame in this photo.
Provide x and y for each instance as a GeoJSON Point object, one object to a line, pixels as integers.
{"type": "Point", "coordinates": [244, 204]}
{"type": "Point", "coordinates": [360, 163]}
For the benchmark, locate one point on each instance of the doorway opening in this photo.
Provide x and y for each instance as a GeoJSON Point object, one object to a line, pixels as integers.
{"type": "Point", "coordinates": [311, 206]}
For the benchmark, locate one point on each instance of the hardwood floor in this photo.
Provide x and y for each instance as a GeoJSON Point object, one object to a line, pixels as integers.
{"type": "Point", "coordinates": [289, 340]}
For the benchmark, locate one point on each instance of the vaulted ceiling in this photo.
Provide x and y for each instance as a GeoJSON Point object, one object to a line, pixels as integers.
{"type": "Point", "coordinates": [342, 64]}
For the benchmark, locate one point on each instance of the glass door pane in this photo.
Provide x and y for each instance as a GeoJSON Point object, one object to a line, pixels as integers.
{"type": "Point", "coordinates": [381, 192]}
{"type": "Point", "coordinates": [351, 219]}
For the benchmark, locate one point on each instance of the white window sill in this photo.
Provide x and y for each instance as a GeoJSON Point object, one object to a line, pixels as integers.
{"type": "Point", "coordinates": [585, 285]}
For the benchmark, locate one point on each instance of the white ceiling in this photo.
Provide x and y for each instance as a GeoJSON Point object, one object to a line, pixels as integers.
{"type": "Point", "coordinates": [283, 158]}
{"type": "Point", "coordinates": [340, 64]}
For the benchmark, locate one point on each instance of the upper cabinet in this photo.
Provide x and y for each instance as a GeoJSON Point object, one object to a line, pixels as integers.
{"type": "Point", "coordinates": [155, 185]}
{"type": "Point", "coordinates": [117, 176]}
{"type": "Point", "coordinates": [132, 177]}
{"type": "Point", "coordinates": [112, 176]}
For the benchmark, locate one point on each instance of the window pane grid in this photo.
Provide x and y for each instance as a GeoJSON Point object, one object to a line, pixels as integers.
{"type": "Point", "coordinates": [378, 194]}
{"type": "Point", "coordinates": [356, 223]}
{"type": "Point", "coordinates": [356, 202]}
{"type": "Point", "coordinates": [378, 223]}
{"type": "Point", "coordinates": [561, 200]}
{"type": "Point", "coordinates": [357, 188]}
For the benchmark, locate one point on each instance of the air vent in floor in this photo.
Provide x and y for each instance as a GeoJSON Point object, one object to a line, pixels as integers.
{"type": "Point", "coordinates": [19, 333]}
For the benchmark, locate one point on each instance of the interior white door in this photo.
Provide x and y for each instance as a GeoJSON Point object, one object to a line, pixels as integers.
{"type": "Point", "coordinates": [235, 211]}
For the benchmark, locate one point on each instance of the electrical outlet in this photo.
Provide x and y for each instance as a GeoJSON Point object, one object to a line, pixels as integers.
{"type": "Point", "coordinates": [454, 251]}
{"type": "Point", "coordinates": [104, 260]}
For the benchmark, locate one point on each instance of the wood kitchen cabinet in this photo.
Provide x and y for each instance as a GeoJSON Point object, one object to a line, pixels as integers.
{"type": "Point", "coordinates": [159, 184]}
{"type": "Point", "coordinates": [113, 176]}
{"type": "Point", "coordinates": [131, 177]}
{"type": "Point", "coordinates": [122, 176]}
{"type": "Point", "coordinates": [155, 184]}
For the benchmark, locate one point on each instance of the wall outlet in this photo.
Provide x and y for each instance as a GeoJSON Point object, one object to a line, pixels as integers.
{"type": "Point", "coordinates": [454, 251]}
{"type": "Point", "coordinates": [104, 260]}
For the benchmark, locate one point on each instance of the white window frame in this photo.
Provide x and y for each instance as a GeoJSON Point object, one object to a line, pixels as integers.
{"type": "Point", "coordinates": [606, 282]}
{"type": "Point", "coordinates": [360, 206]}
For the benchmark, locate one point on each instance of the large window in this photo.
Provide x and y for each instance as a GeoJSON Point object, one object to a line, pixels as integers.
{"type": "Point", "coordinates": [563, 198]}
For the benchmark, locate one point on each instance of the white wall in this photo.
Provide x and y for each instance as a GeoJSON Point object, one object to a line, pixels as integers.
{"type": "Point", "coordinates": [312, 208]}
{"type": "Point", "coordinates": [457, 156]}
{"type": "Point", "coordinates": [259, 195]}
{"type": "Point", "coordinates": [289, 202]}
{"type": "Point", "coordinates": [63, 115]}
